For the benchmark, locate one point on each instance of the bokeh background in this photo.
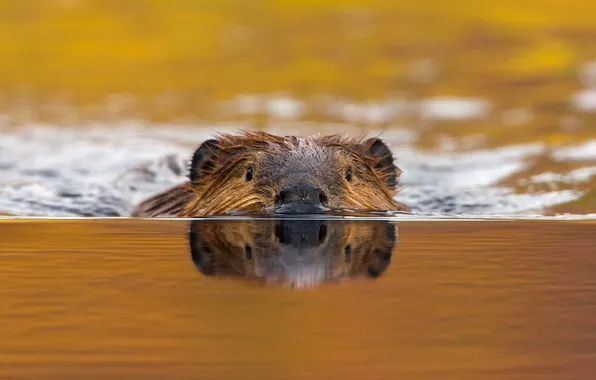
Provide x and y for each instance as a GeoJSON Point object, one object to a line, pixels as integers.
{"type": "Point", "coordinates": [462, 75]}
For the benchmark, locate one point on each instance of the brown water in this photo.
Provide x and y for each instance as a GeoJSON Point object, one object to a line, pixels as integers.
{"type": "Point", "coordinates": [458, 300]}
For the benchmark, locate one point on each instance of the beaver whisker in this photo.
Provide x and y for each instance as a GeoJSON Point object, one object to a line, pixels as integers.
{"type": "Point", "coordinates": [245, 205]}
{"type": "Point", "coordinates": [244, 202]}
{"type": "Point", "coordinates": [360, 198]}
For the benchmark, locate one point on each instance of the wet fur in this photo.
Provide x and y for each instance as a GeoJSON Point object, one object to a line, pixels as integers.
{"type": "Point", "coordinates": [217, 182]}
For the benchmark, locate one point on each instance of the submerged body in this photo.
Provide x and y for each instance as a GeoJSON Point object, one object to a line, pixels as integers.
{"type": "Point", "coordinates": [260, 172]}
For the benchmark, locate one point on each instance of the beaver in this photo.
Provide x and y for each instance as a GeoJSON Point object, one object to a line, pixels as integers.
{"type": "Point", "coordinates": [258, 171]}
{"type": "Point", "coordinates": [295, 252]}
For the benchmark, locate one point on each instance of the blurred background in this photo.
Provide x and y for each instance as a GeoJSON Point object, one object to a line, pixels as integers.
{"type": "Point", "coordinates": [444, 76]}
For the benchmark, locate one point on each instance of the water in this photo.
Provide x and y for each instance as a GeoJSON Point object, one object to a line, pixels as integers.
{"type": "Point", "coordinates": [483, 280]}
{"type": "Point", "coordinates": [426, 300]}
{"type": "Point", "coordinates": [106, 170]}
{"type": "Point", "coordinates": [492, 119]}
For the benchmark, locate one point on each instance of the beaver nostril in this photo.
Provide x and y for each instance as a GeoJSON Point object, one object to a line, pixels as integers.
{"type": "Point", "coordinates": [282, 197]}
{"type": "Point", "coordinates": [301, 195]}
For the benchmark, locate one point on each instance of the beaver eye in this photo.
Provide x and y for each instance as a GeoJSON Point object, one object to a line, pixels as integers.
{"type": "Point", "coordinates": [349, 174]}
{"type": "Point", "coordinates": [249, 174]}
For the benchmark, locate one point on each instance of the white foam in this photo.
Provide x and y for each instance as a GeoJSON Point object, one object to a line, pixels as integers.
{"type": "Point", "coordinates": [583, 151]}
{"type": "Point", "coordinates": [286, 107]}
{"type": "Point", "coordinates": [580, 175]}
{"type": "Point", "coordinates": [477, 157]}
{"type": "Point", "coordinates": [467, 169]}
{"type": "Point", "coordinates": [484, 200]}
{"type": "Point", "coordinates": [585, 100]}
{"type": "Point", "coordinates": [88, 170]}
{"type": "Point", "coordinates": [371, 113]}
{"type": "Point", "coordinates": [452, 108]}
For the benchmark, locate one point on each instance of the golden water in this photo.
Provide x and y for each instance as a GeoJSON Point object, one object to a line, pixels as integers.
{"type": "Point", "coordinates": [459, 300]}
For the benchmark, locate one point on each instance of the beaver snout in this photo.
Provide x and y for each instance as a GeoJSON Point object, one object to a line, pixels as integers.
{"type": "Point", "coordinates": [301, 199]}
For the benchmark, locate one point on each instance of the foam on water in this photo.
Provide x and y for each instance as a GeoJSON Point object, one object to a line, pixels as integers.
{"type": "Point", "coordinates": [585, 100]}
{"type": "Point", "coordinates": [105, 171]}
{"type": "Point", "coordinates": [451, 108]}
{"type": "Point", "coordinates": [286, 107]}
{"type": "Point", "coordinates": [575, 176]}
{"type": "Point", "coordinates": [585, 151]}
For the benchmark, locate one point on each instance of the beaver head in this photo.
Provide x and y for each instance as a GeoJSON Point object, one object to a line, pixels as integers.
{"type": "Point", "coordinates": [256, 171]}
{"type": "Point", "coordinates": [301, 253]}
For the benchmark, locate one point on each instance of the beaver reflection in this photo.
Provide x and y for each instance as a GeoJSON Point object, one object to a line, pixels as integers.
{"type": "Point", "coordinates": [301, 253]}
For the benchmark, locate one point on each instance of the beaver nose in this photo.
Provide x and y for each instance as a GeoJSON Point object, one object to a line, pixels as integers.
{"type": "Point", "coordinates": [301, 199]}
{"type": "Point", "coordinates": [302, 193]}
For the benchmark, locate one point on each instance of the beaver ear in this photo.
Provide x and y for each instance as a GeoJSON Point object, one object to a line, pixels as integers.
{"type": "Point", "coordinates": [380, 152]}
{"type": "Point", "coordinates": [203, 160]}
{"type": "Point", "coordinates": [381, 253]}
{"type": "Point", "coordinates": [200, 251]}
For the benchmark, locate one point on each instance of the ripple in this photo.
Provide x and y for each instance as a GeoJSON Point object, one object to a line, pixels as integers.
{"type": "Point", "coordinates": [106, 170]}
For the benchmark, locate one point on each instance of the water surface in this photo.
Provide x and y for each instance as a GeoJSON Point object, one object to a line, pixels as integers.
{"type": "Point", "coordinates": [105, 171]}
{"type": "Point", "coordinates": [450, 300]}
